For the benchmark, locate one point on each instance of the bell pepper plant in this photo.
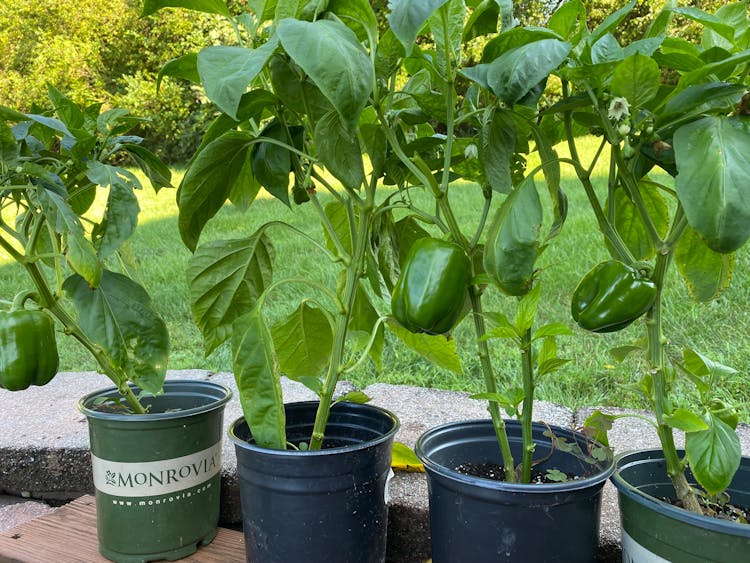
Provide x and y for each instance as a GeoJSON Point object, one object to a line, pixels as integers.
{"type": "Point", "coordinates": [320, 105]}
{"type": "Point", "coordinates": [54, 165]}
{"type": "Point", "coordinates": [673, 118]}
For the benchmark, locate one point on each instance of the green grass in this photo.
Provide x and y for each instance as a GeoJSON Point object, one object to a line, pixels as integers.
{"type": "Point", "coordinates": [719, 329]}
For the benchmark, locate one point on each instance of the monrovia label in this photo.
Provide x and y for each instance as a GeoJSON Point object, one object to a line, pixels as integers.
{"type": "Point", "coordinates": [154, 478]}
{"type": "Point", "coordinates": [633, 552]}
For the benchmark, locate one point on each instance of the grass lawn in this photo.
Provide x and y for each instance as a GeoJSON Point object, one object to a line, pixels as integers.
{"type": "Point", "coordinates": [719, 329]}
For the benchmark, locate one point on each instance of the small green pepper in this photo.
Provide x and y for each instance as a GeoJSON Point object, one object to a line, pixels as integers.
{"type": "Point", "coordinates": [611, 296]}
{"type": "Point", "coordinates": [28, 350]}
{"type": "Point", "coordinates": [430, 293]}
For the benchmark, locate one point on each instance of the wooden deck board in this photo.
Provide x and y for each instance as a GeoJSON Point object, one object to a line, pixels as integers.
{"type": "Point", "coordinates": [68, 535]}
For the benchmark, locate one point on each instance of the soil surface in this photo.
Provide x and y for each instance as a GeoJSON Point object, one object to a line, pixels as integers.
{"type": "Point", "coordinates": [495, 472]}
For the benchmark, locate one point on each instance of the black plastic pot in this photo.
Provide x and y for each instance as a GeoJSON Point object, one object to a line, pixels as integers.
{"type": "Point", "coordinates": [473, 519]}
{"type": "Point", "coordinates": [654, 530]}
{"type": "Point", "coordinates": [158, 476]}
{"type": "Point", "coordinates": [324, 506]}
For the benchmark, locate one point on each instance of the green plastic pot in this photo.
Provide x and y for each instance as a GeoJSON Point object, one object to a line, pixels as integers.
{"type": "Point", "coordinates": [655, 531]}
{"type": "Point", "coordinates": [157, 476]}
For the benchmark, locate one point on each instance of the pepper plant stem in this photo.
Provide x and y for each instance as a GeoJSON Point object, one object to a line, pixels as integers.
{"type": "Point", "coordinates": [490, 385]}
{"type": "Point", "coordinates": [527, 372]}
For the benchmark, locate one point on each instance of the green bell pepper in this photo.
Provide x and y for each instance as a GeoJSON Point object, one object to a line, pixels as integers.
{"type": "Point", "coordinates": [28, 349]}
{"type": "Point", "coordinates": [430, 293]}
{"type": "Point", "coordinates": [611, 296]}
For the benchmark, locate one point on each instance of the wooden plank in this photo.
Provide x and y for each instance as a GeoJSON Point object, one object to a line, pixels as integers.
{"type": "Point", "coordinates": [68, 535]}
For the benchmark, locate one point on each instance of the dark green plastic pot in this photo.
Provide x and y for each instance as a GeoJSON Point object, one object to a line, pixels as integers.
{"type": "Point", "coordinates": [653, 530]}
{"type": "Point", "coordinates": [473, 519]}
{"type": "Point", "coordinates": [158, 476]}
{"type": "Point", "coordinates": [323, 506]}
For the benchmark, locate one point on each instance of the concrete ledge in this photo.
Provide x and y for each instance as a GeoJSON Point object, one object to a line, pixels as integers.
{"type": "Point", "coordinates": [44, 452]}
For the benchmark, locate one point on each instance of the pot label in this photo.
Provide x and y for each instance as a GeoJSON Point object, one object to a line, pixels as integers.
{"type": "Point", "coordinates": [155, 478]}
{"type": "Point", "coordinates": [633, 552]}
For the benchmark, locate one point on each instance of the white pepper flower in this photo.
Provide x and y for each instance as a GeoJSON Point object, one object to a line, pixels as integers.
{"type": "Point", "coordinates": [618, 109]}
{"type": "Point", "coordinates": [471, 151]}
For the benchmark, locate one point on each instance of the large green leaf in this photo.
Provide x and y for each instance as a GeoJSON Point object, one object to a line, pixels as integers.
{"type": "Point", "coordinates": [338, 217]}
{"type": "Point", "coordinates": [636, 79]}
{"type": "Point", "coordinates": [80, 251]}
{"type": "Point", "coordinates": [225, 278]}
{"type": "Point", "coordinates": [629, 223]}
{"type": "Point", "coordinates": [119, 316]}
{"type": "Point", "coordinates": [497, 149]}
{"type": "Point", "coordinates": [362, 323]}
{"type": "Point", "coordinates": [455, 14]}
{"type": "Point", "coordinates": [208, 6]}
{"type": "Point", "coordinates": [704, 98]}
{"type": "Point", "coordinates": [185, 67]}
{"type": "Point", "coordinates": [227, 71]}
{"type": "Point", "coordinates": [339, 150]}
{"type": "Point", "coordinates": [706, 273]}
{"type": "Point", "coordinates": [513, 240]}
{"type": "Point", "coordinates": [515, 73]}
{"type": "Point", "coordinates": [209, 180]}
{"type": "Point", "coordinates": [713, 163]}
{"type": "Point", "coordinates": [358, 15]}
{"type": "Point", "coordinates": [714, 455]}
{"type": "Point", "coordinates": [438, 349]}
{"type": "Point", "coordinates": [335, 61]}
{"type": "Point", "coordinates": [303, 342]}
{"type": "Point", "coordinates": [408, 16]}
{"type": "Point", "coordinates": [119, 221]}
{"type": "Point", "coordinates": [272, 163]}
{"type": "Point", "coordinates": [258, 382]}
{"type": "Point", "coordinates": [611, 22]}
{"type": "Point", "coordinates": [155, 170]}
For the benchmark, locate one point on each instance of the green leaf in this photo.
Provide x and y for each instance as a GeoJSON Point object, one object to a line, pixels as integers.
{"type": "Point", "coordinates": [597, 425]}
{"type": "Point", "coordinates": [303, 341]}
{"type": "Point", "coordinates": [611, 22]}
{"type": "Point", "coordinates": [358, 397]}
{"type": "Point", "coordinates": [620, 353]}
{"type": "Point", "coordinates": [685, 420]}
{"type": "Point", "coordinates": [438, 349]}
{"type": "Point", "coordinates": [227, 71]}
{"type": "Point", "coordinates": [403, 458]}
{"type": "Point", "coordinates": [455, 14]}
{"type": "Point", "coordinates": [209, 180]}
{"type": "Point", "coordinates": [66, 109]}
{"type": "Point", "coordinates": [207, 6]}
{"type": "Point", "coordinates": [513, 240]}
{"type": "Point", "coordinates": [363, 320]}
{"type": "Point", "coordinates": [714, 455]}
{"type": "Point", "coordinates": [553, 329]}
{"type": "Point", "coordinates": [566, 19]}
{"type": "Point", "coordinates": [512, 75]}
{"type": "Point", "coordinates": [707, 20]}
{"type": "Point", "coordinates": [83, 259]}
{"type": "Point", "coordinates": [339, 150]}
{"type": "Point", "coordinates": [272, 163]}
{"type": "Point", "coordinates": [119, 221]}
{"type": "Point", "coordinates": [629, 223]}
{"type": "Point", "coordinates": [526, 310]}
{"type": "Point", "coordinates": [702, 366]}
{"type": "Point", "coordinates": [119, 316]}
{"type": "Point", "coordinates": [357, 15]}
{"type": "Point", "coordinates": [637, 79]}
{"type": "Point", "coordinates": [225, 279]}
{"type": "Point", "coordinates": [339, 219]}
{"type": "Point", "coordinates": [335, 61]}
{"type": "Point", "coordinates": [497, 149]}
{"type": "Point", "coordinates": [408, 16]}
{"type": "Point", "coordinates": [713, 160]}
{"type": "Point", "coordinates": [258, 380]}
{"type": "Point", "coordinates": [8, 147]}
{"type": "Point", "coordinates": [705, 272]}
{"type": "Point", "coordinates": [155, 170]}
{"type": "Point", "coordinates": [702, 98]}
{"type": "Point", "coordinates": [606, 50]}
{"type": "Point", "coordinates": [185, 67]}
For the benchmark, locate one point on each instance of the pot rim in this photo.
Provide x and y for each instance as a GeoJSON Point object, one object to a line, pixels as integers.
{"type": "Point", "coordinates": [680, 514]}
{"type": "Point", "coordinates": [526, 488]}
{"type": "Point", "coordinates": [218, 402]}
{"type": "Point", "coordinates": [317, 453]}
